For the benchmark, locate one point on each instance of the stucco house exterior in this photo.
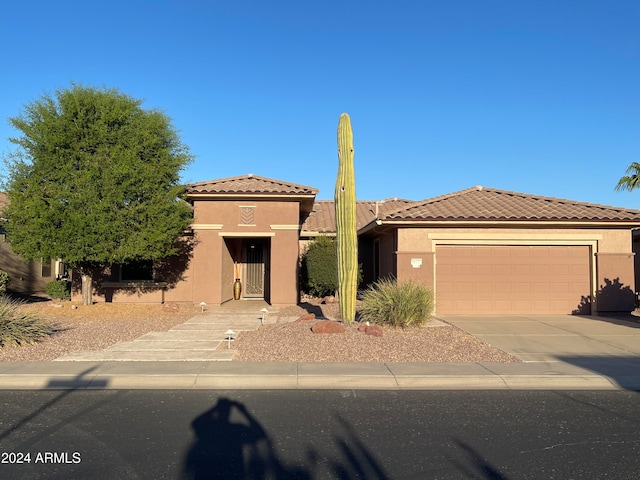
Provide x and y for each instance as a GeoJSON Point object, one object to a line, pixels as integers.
{"type": "Point", "coordinates": [481, 250]}
{"type": "Point", "coordinates": [25, 277]}
{"type": "Point", "coordinates": [492, 251]}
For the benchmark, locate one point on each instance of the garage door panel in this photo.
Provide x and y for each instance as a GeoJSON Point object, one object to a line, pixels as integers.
{"type": "Point", "coordinates": [579, 270]}
{"type": "Point", "coordinates": [482, 270]}
{"type": "Point", "coordinates": [560, 270]}
{"type": "Point", "coordinates": [463, 288]}
{"type": "Point", "coordinates": [577, 287]}
{"type": "Point", "coordinates": [522, 269]}
{"type": "Point", "coordinates": [482, 305]}
{"type": "Point", "coordinates": [502, 270]}
{"type": "Point", "coordinates": [522, 306]}
{"type": "Point", "coordinates": [521, 287]}
{"type": "Point", "coordinates": [559, 288]}
{"type": "Point", "coordinates": [540, 288]}
{"type": "Point", "coordinates": [502, 306]}
{"type": "Point", "coordinates": [541, 252]}
{"type": "Point", "coordinates": [482, 288]}
{"type": "Point", "coordinates": [511, 279]}
{"type": "Point", "coordinates": [463, 270]}
{"type": "Point", "coordinates": [503, 287]}
{"type": "Point", "coordinates": [463, 305]}
{"type": "Point", "coordinates": [541, 270]}
{"type": "Point", "coordinates": [558, 252]}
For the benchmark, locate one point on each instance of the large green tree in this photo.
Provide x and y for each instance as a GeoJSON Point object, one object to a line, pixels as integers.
{"type": "Point", "coordinates": [95, 181]}
{"type": "Point", "coordinates": [631, 181]}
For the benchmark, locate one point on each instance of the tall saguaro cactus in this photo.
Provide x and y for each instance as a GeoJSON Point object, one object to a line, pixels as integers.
{"type": "Point", "coordinates": [347, 239]}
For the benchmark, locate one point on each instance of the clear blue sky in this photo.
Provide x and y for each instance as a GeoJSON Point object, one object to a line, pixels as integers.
{"type": "Point", "coordinates": [535, 96]}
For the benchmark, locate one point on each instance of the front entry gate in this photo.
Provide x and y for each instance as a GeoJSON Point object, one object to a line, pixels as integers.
{"type": "Point", "coordinates": [254, 269]}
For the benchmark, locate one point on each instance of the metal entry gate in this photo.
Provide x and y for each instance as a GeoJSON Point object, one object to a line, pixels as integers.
{"type": "Point", "coordinates": [254, 269]}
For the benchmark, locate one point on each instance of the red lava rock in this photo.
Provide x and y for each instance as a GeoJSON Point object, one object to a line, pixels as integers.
{"type": "Point", "coordinates": [306, 318]}
{"type": "Point", "coordinates": [328, 326]}
{"type": "Point", "coordinates": [170, 307]}
{"type": "Point", "coordinates": [373, 330]}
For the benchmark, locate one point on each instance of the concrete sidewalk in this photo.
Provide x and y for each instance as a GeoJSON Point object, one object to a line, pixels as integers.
{"type": "Point", "coordinates": [556, 352]}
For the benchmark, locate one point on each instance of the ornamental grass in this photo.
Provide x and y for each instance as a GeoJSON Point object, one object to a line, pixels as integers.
{"type": "Point", "coordinates": [18, 327]}
{"type": "Point", "coordinates": [398, 304]}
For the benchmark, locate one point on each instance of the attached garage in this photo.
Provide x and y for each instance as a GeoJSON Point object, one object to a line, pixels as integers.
{"type": "Point", "coordinates": [489, 251]}
{"type": "Point", "coordinates": [512, 279]}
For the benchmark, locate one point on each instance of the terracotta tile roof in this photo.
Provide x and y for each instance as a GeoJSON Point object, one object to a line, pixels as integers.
{"type": "Point", "coordinates": [250, 184]}
{"type": "Point", "coordinates": [481, 203]}
{"type": "Point", "coordinates": [322, 217]}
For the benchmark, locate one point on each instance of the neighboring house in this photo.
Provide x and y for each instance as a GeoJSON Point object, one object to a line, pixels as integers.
{"type": "Point", "coordinates": [482, 250]}
{"type": "Point", "coordinates": [24, 277]}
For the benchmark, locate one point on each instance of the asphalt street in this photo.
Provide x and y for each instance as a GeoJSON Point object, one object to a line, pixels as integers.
{"type": "Point", "coordinates": [318, 434]}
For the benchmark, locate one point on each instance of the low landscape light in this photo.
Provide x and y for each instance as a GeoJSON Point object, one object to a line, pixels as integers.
{"type": "Point", "coordinates": [264, 312]}
{"type": "Point", "coordinates": [229, 337]}
{"type": "Point", "coordinates": [203, 306]}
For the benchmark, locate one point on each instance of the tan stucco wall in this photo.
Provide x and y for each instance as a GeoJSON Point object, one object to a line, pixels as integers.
{"type": "Point", "coordinates": [227, 272]}
{"type": "Point", "coordinates": [284, 268]}
{"type": "Point", "coordinates": [227, 213]}
{"type": "Point", "coordinates": [219, 229]}
{"type": "Point", "coordinates": [24, 277]}
{"type": "Point", "coordinates": [216, 221]}
{"type": "Point", "coordinates": [615, 289]}
{"type": "Point", "coordinates": [421, 239]}
{"type": "Point", "coordinates": [207, 271]}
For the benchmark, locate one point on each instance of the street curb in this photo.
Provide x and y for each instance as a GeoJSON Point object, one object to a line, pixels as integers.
{"type": "Point", "coordinates": [302, 376]}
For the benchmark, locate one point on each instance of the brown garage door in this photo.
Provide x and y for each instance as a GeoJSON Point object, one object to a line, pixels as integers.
{"type": "Point", "coordinates": [512, 279]}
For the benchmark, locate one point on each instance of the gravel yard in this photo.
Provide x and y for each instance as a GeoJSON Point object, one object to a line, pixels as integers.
{"type": "Point", "coordinates": [435, 342]}
{"type": "Point", "coordinates": [94, 327]}
{"type": "Point", "coordinates": [101, 325]}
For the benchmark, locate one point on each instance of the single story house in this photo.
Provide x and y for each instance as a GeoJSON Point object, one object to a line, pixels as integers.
{"type": "Point", "coordinates": [481, 250]}
{"type": "Point", "coordinates": [25, 277]}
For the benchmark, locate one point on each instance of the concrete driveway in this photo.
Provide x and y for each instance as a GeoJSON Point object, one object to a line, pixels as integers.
{"type": "Point", "coordinates": [548, 338]}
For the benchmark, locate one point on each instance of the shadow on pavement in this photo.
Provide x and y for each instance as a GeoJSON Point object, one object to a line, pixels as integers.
{"type": "Point", "coordinates": [482, 468]}
{"type": "Point", "coordinates": [625, 319]}
{"type": "Point", "coordinates": [623, 370]}
{"type": "Point", "coordinates": [231, 443]}
{"type": "Point", "coordinates": [71, 386]}
{"type": "Point", "coordinates": [227, 449]}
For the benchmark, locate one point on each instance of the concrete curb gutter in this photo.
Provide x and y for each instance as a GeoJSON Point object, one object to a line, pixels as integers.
{"type": "Point", "coordinates": [290, 375]}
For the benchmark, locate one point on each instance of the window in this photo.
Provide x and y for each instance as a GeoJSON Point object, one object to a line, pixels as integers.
{"type": "Point", "coordinates": [46, 267]}
{"type": "Point", "coordinates": [141, 270]}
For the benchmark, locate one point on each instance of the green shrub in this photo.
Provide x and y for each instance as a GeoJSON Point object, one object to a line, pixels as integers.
{"type": "Point", "coordinates": [4, 281]}
{"type": "Point", "coordinates": [59, 289]}
{"type": "Point", "coordinates": [18, 327]}
{"type": "Point", "coordinates": [396, 304]}
{"type": "Point", "coordinates": [320, 267]}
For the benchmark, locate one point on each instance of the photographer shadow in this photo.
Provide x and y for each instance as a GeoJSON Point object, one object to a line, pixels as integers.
{"type": "Point", "coordinates": [231, 443]}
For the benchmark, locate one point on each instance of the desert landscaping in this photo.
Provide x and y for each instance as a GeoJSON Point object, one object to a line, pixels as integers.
{"type": "Point", "coordinates": [95, 327]}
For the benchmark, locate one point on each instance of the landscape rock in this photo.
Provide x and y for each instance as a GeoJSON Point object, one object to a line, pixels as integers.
{"type": "Point", "coordinates": [170, 307]}
{"type": "Point", "coordinates": [306, 318]}
{"type": "Point", "coordinates": [373, 330]}
{"type": "Point", "coordinates": [329, 299]}
{"type": "Point", "coordinates": [328, 326]}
